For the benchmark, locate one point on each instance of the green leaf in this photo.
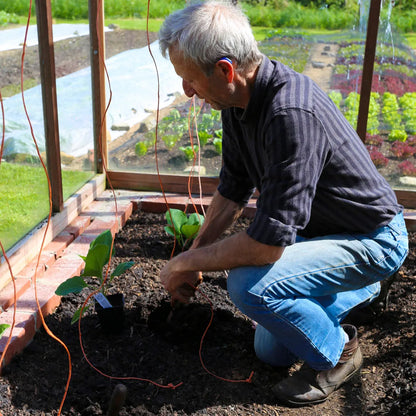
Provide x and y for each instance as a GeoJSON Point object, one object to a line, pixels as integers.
{"type": "Point", "coordinates": [121, 268]}
{"type": "Point", "coordinates": [192, 226]}
{"type": "Point", "coordinates": [3, 327]}
{"type": "Point", "coordinates": [106, 239]}
{"type": "Point", "coordinates": [72, 285]}
{"type": "Point", "coordinates": [169, 229]}
{"type": "Point", "coordinates": [96, 259]}
{"type": "Point", "coordinates": [190, 231]}
{"type": "Point", "coordinates": [176, 218]}
{"type": "Point", "coordinates": [196, 218]}
{"type": "Point", "coordinates": [77, 314]}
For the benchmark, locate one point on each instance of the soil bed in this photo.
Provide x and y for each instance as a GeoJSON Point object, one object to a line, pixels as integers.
{"type": "Point", "coordinates": [162, 345]}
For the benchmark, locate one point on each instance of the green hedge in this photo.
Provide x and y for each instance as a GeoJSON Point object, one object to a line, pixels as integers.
{"type": "Point", "coordinates": [277, 14]}
{"type": "Point", "coordinates": [78, 9]}
{"type": "Point", "coordinates": [297, 16]}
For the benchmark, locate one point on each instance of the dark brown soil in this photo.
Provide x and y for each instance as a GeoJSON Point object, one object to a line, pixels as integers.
{"type": "Point", "coordinates": [162, 345]}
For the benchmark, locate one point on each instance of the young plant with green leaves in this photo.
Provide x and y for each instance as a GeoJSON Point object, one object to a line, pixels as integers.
{"type": "Point", "coordinates": [390, 111]}
{"type": "Point", "coordinates": [218, 145]}
{"type": "Point", "coordinates": [336, 97]}
{"type": "Point", "coordinates": [352, 103]}
{"type": "Point", "coordinates": [3, 327]}
{"type": "Point", "coordinates": [397, 135]}
{"type": "Point", "coordinates": [170, 140]}
{"type": "Point", "coordinates": [96, 261]}
{"type": "Point", "coordinates": [183, 227]}
{"type": "Point", "coordinates": [408, 105]}
{"type": "Point", "coordinates": [189, 152]}
{"type": "Point", "coordinates": [203, 137]}
{"type": "Point", "coordinates": [141, 149]}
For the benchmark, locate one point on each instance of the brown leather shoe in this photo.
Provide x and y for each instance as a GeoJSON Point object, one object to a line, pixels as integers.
{"type": "Point", "coordinates": [309, 386]}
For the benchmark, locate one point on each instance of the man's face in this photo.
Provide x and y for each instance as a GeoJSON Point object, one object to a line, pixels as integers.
{"type": "Point", "coordinates": [213, 89]}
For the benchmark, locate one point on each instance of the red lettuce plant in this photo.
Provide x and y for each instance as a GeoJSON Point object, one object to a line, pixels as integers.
{"type": "Point", "coordinates": [378, 158]}
{"type": "Point", "coordinates": [373, 140]}
{"type": "Point", "coordinates": [407, 168]}
{"type": "Point", "coordinates": [402, 150]}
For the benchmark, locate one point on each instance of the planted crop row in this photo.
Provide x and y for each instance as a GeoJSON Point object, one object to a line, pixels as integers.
{"type": "Point", "coordinates": [176, 128]}
{"type": "Point", "coordinates": [397, 113]}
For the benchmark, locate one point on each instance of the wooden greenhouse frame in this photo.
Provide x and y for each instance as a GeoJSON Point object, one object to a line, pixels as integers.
{"type": "Point", "coordinates": [139, 181]}
{"type": "Point", "coordinates": [65, 213]}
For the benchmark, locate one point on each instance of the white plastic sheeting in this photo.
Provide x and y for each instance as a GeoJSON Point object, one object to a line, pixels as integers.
{"type": "Point", "coordinates": [133, 81]}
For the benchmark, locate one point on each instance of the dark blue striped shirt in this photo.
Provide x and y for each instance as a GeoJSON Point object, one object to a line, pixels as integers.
{"type": "Point", "coordinates": [313, 173]}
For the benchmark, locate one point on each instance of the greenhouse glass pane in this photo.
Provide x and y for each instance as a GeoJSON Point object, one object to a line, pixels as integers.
{"type": "Point", "coordinates": [23, 184]}
{"type": "Point", "coordinates": [74, 98]}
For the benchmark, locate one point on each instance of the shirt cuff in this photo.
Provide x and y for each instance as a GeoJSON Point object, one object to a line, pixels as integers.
{"type": "Point", "coordinates": [270, 231]}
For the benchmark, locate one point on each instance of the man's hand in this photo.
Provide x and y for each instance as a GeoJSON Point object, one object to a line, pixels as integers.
{"type": "Point", "coordinates": [180, 284]}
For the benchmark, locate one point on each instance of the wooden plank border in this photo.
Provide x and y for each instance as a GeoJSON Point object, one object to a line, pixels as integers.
{"type": "Point", "coordinates": [97, 57]}
{"type": "Point", "coordinates": [50, 106]}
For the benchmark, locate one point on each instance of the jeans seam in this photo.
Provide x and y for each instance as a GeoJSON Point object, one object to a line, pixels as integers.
{"type": "Point", "coordinates": [310, 272]}
{"type": "Point", "coordinates": [300, 332]}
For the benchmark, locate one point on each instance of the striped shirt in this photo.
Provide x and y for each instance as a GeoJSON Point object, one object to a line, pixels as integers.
{"type": "Point", "coordinates": [313, 173]}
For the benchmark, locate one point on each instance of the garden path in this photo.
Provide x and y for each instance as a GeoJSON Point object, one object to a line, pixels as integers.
{"type": "Point", "coordinates": [321, 63]}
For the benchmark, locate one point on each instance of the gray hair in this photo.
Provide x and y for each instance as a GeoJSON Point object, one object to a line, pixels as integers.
{"type": "Point", "coordinates": [205, 32]}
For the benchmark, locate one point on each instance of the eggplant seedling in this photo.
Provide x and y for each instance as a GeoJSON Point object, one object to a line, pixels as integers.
{"type": "Point", "coordinates": [3, 327]}
{"type": "Point", "coordinates": [96, 259]}
{"type": "Point", "coordinates": [183, 227]}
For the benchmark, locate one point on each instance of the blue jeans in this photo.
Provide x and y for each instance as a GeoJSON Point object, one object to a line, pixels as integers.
{"type": "Point", "coordinates": [299, 301]}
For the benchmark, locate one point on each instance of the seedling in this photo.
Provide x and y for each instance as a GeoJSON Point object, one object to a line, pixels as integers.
{"type": "Point", "coordinates": [170, 140]}
{"type": "Point", "coordinates": [378, 158]}
{"type": "Point", "coordinates": [397, 135]}
{"type": "Point", "coordinates": [189, 151]}
{"type": "Point", "coordinates": [3, 327]}
{"type": "Point", "coordinates": [407, 168]}
{"type": "Point", "coordinates": [96, 259]}
{"type": "Point", "coordinates": [183, 227]}
{"type": "Point", "coordinates": [218, 145]}
{"type": "Point", "coordinates": [140, 149]}
{"type": "Point", "coordinates": [203, 137]}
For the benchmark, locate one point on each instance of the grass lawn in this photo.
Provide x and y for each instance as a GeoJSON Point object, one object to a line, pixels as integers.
{"type": "Point", "coordinates": [411, 39]}
{"type": "Point", "coordinates": [24, 198]}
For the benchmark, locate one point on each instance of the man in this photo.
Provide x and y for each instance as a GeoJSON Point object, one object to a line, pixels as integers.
{"type": "Point", "coordinates": [327, 228]}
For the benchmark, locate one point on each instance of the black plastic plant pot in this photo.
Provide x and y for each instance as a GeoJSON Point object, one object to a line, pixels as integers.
{"type": "Point", "coordinates": [111, 319]}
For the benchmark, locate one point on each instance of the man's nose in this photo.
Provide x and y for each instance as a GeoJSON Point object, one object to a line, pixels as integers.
{"type": "Point", "coordinates": [189, 91]}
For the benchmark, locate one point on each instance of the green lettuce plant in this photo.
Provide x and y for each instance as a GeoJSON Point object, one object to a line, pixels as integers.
{"type": "Point", "coordinates": [189, 151]}
{"type": "Point", "coordinates": [3, 327]}
{"type": "Point", "coordinates": [397, 135]}
{"type": "Point", "coordinates": [96, 259]}
{"type": "Point", "coordinates": [203, 137]}
{"type": "Point", "coordinates": [183, 227]}
{"type": "Point", "coordinates": [336, 97]}
{"type": "Point", "coordinates": [170, 140]}
{"type": "Point", "coordinates": [140, 149]}
{"type": "Point", "coordinates": [218, 145]}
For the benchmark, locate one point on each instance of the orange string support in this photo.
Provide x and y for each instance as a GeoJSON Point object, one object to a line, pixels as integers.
{"type": "Point", "coordinates": [169, 385]}
{"type": "Point", "coordinates": [194, 119]}
{"type": "Point", "coordinates": [48, 331]}
{"type": "Point", "coordinates": [247, 380]}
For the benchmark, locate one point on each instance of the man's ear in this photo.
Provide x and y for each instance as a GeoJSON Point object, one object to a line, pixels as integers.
{"type": "Point", "coordinates": [227, 69]}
